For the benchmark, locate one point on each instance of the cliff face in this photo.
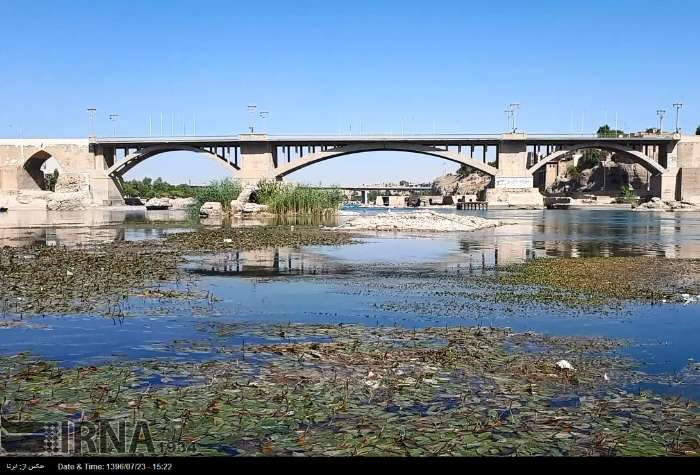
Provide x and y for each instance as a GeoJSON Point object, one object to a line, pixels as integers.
{"type": "Point", "coordinates": [453, 184]}
{"type": "Point", "coordinates": [612, 178]}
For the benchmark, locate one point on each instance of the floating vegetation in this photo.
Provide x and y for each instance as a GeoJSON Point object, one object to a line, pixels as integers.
{"type": "Point", "coordinates": [371, 391]}
{"type": "Point", "coordinates": [56, 280]}
{"type": "Point", "coordinates": [230, 239]}
{"type": "Point", "coordinates": [598, 280]}
{"type": "Point", "coordinates": [52, 280]}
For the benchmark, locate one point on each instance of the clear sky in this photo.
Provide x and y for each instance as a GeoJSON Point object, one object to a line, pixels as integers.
{"type": "Point", "coordinates": [326, 66]}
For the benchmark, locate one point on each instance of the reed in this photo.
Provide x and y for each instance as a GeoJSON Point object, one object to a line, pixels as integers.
{"type": "Point", "coordinates": [287, 198]}
{"type": "Point", "coordinates": [221, 191]}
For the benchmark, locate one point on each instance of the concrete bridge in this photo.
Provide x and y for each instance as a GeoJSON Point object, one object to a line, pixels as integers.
{"type": "Point", "coordinates": [512, 160]}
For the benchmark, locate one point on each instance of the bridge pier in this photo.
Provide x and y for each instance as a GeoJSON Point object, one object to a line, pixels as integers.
{"type": "Point", "coordinates": [365, 197]}
{"type": "Point", "coordinates": [513, 185]}
{"type": "Point", "coordinates": [258, 159]}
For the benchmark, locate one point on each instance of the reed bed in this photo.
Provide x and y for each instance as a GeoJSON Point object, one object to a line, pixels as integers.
{"type": "Point", "coordinates": [286, 198]}
{"type": "Point", "coordinates": [221, 191]}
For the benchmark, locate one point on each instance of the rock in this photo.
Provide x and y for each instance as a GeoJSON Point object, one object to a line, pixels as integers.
{"type": "Point", "coordinates": [528, 198]}
{"type": "Point", "coordinates": [453, 184]}
{"type": "Point", "coordinates": [72, 183]}
{"type": "Point", "coordinates": [657, 205]}
{"type": "Point", "coordinates": [236, 206]}
{"type": "Point", "coordinates": [563, 364]}
{"type": "Point", "coordinates": [158, 203]}
{"type": "Point", "coordinates": [211, 209]}
{"type": "Point", "coordinates": [247, 193]}
{"type": "Point", "coordinates": [418, 221]}
{"type": "Point", "coordinates": [68, 201]}
{"type": "Point", "coordinates": [253, 208]}
{"type": "Point", "coordinates": [182, 203]}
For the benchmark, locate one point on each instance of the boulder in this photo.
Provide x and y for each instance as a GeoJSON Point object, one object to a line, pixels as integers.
{"type": "Point", "coordinates": [253, 208]}
{"type": "Point", "coordinates": [68, 201]}
{"type": "Point", "coordinates": [247, 193]}
{"type": "Point", "coordinates": [182, 203]}
{"type": "Point", "coordinates": [211, 209]}
{"type": "Point", "coordinates": [158, 203]}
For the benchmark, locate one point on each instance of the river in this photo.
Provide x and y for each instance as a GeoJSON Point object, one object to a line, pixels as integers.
{"type": "Point", "coordinates": [407, 280]}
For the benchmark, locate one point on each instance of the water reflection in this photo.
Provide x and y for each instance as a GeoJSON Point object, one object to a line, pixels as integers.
{"type": "Point", "coordinates": [388, 280]}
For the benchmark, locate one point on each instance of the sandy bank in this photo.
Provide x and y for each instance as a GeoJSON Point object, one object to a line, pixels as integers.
{"type": "Point", "coordinates": [428, 221]}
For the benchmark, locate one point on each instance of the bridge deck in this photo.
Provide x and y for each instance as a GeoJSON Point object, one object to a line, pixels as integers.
{"type": "Point", "coordinates": [447, 139]}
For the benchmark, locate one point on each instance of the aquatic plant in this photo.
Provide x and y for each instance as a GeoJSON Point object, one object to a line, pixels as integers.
{"type": "Point", "coordinates": [599, 280]}
{"type": "Point", "coordinates": [219, 191]}
{"type": "Point", "coordinates": [287, 198]}
{"type": "Point", "coordinates": [628, 195]}
{"type": "Point", "coordinates": [347, 390]}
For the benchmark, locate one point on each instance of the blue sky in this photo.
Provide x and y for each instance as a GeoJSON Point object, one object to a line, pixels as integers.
{"type": "Point", "coordinates": [322, 67]}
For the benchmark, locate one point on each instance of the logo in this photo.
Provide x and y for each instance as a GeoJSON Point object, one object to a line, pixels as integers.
{"type": "Point", "coordinates": [66, 437]}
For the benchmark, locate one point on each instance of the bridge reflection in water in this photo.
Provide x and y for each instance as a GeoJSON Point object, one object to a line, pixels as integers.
{"type": "Point", "coordinates": [526, 234]}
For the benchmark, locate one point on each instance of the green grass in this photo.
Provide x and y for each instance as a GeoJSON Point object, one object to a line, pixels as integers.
{"type": "Point", "coordinates": [286, 198]}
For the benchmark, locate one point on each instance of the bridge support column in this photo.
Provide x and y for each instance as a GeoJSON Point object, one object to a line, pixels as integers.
{"type": "Point", "coordinates": [365, 197]}
{"type": "Point", "coordinates": [258, 160]}
{"type": "Point", "coordinates": [514, 184]}
{"type": "Point", "coordinates": [106, 191]}
{"type": "Point", "coordinates": [664, 185]}
{"type": "Point", "coordinates": [512, 163]}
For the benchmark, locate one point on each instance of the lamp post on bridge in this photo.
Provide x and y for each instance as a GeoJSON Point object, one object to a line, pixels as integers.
{"type": "Point", "coordinates": [515, 106]}
{"type": "Point", "coordinates": [113, 118]}
{"type": "Point", "coordinates": [251, 110]}
{"type": "Point", "coordinates": [512, 112]}
{"type": "Point", "coordinates": [678, 106]}
{"type": "Point", "coordinates": [264, 115]}
{"type": "Point", "coordinates": [509, 117]}
{"type": "Point", "coordinates": [92, 112]}
{"type": "Point", "coordinates": [661, 113]}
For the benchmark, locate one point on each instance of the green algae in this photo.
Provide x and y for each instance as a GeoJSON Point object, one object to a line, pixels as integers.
{"type": "Point", "coordinates": [598, 281]}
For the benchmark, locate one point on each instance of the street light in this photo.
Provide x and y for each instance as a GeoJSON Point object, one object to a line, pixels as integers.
{"type": "Point", "coordinates": [678, 106]}
{"type": "Point", "coordinates": [264, 115]}
{"type": "Point", "coordinates": [509, 117]}
{"type": "Point", "coordinates": [251, 110]}
{"type": "Point", "coordinates": [91, 117]}
{"type": "Point", "coordinates": [514, 108]}
{"type": "Point", "coordinates": [661, 113]}
{"type": "Point", "coordinates": [113, 118]}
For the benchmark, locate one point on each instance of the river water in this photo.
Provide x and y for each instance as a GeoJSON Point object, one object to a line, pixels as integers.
{"type": "Point", "coordinates": [405, 280]}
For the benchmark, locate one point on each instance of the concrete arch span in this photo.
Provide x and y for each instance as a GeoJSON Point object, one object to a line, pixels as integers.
{"type": "Point", "coordinates": [31, 176]}
{"type": "Point", "coordinates": [654, 167]}
{"type": "Point", "coordinates": [134, 159]}
{"type": "Point", "coordinates": [303, 162]}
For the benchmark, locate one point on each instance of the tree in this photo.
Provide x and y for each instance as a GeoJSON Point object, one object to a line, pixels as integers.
{"type": "Point", "coordinates": [606, 131]}
{"type": "Point", "coordinates": [697, 131]}
{"type": "Point", "coordinates": [464, 170]}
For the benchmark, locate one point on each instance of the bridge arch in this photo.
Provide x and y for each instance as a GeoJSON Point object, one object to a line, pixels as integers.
{"type": "Point", "coordinates": [654, 167]}
{"type": "Point", "coordinates": [303, 162]}
{"type": "Point", "coordinates": [134, 159]}
{"type": "Point", "coordinates": [31, 176]}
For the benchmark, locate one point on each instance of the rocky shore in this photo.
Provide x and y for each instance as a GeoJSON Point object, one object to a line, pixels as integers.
{"type": "Point", "coordinates": [429, 221]}
{"type": "Point", "coordinates": [656, 204]}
